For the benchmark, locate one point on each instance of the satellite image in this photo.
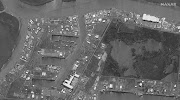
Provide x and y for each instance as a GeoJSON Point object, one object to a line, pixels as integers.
{"type": "Point", "coordinates": [89, 50]}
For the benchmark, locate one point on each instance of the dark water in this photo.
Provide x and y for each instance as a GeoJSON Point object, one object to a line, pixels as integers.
{"type": "Point", "coordinates": [68, 0]}
{"type": "Point", "coordinates": [9, 36]}
{"type": "Point", "coordinates": [36, 2]}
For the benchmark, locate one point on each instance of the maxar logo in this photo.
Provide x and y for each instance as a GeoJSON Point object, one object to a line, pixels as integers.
{"type": "Point", "coordinates": [168, 4]}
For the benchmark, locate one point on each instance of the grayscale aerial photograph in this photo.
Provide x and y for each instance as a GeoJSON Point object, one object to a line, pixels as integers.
{"type": "Point", "coordinates": [89, 49]}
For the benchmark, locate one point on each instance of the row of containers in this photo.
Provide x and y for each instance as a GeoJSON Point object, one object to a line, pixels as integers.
{"type": "Point", "coordinates": [139, 87]}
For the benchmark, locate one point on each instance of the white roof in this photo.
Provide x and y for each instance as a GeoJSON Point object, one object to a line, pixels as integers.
{"type": "Point", "coordinates": [66, 84]}
{"type": "Point", "coordinates": [150, 18]}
